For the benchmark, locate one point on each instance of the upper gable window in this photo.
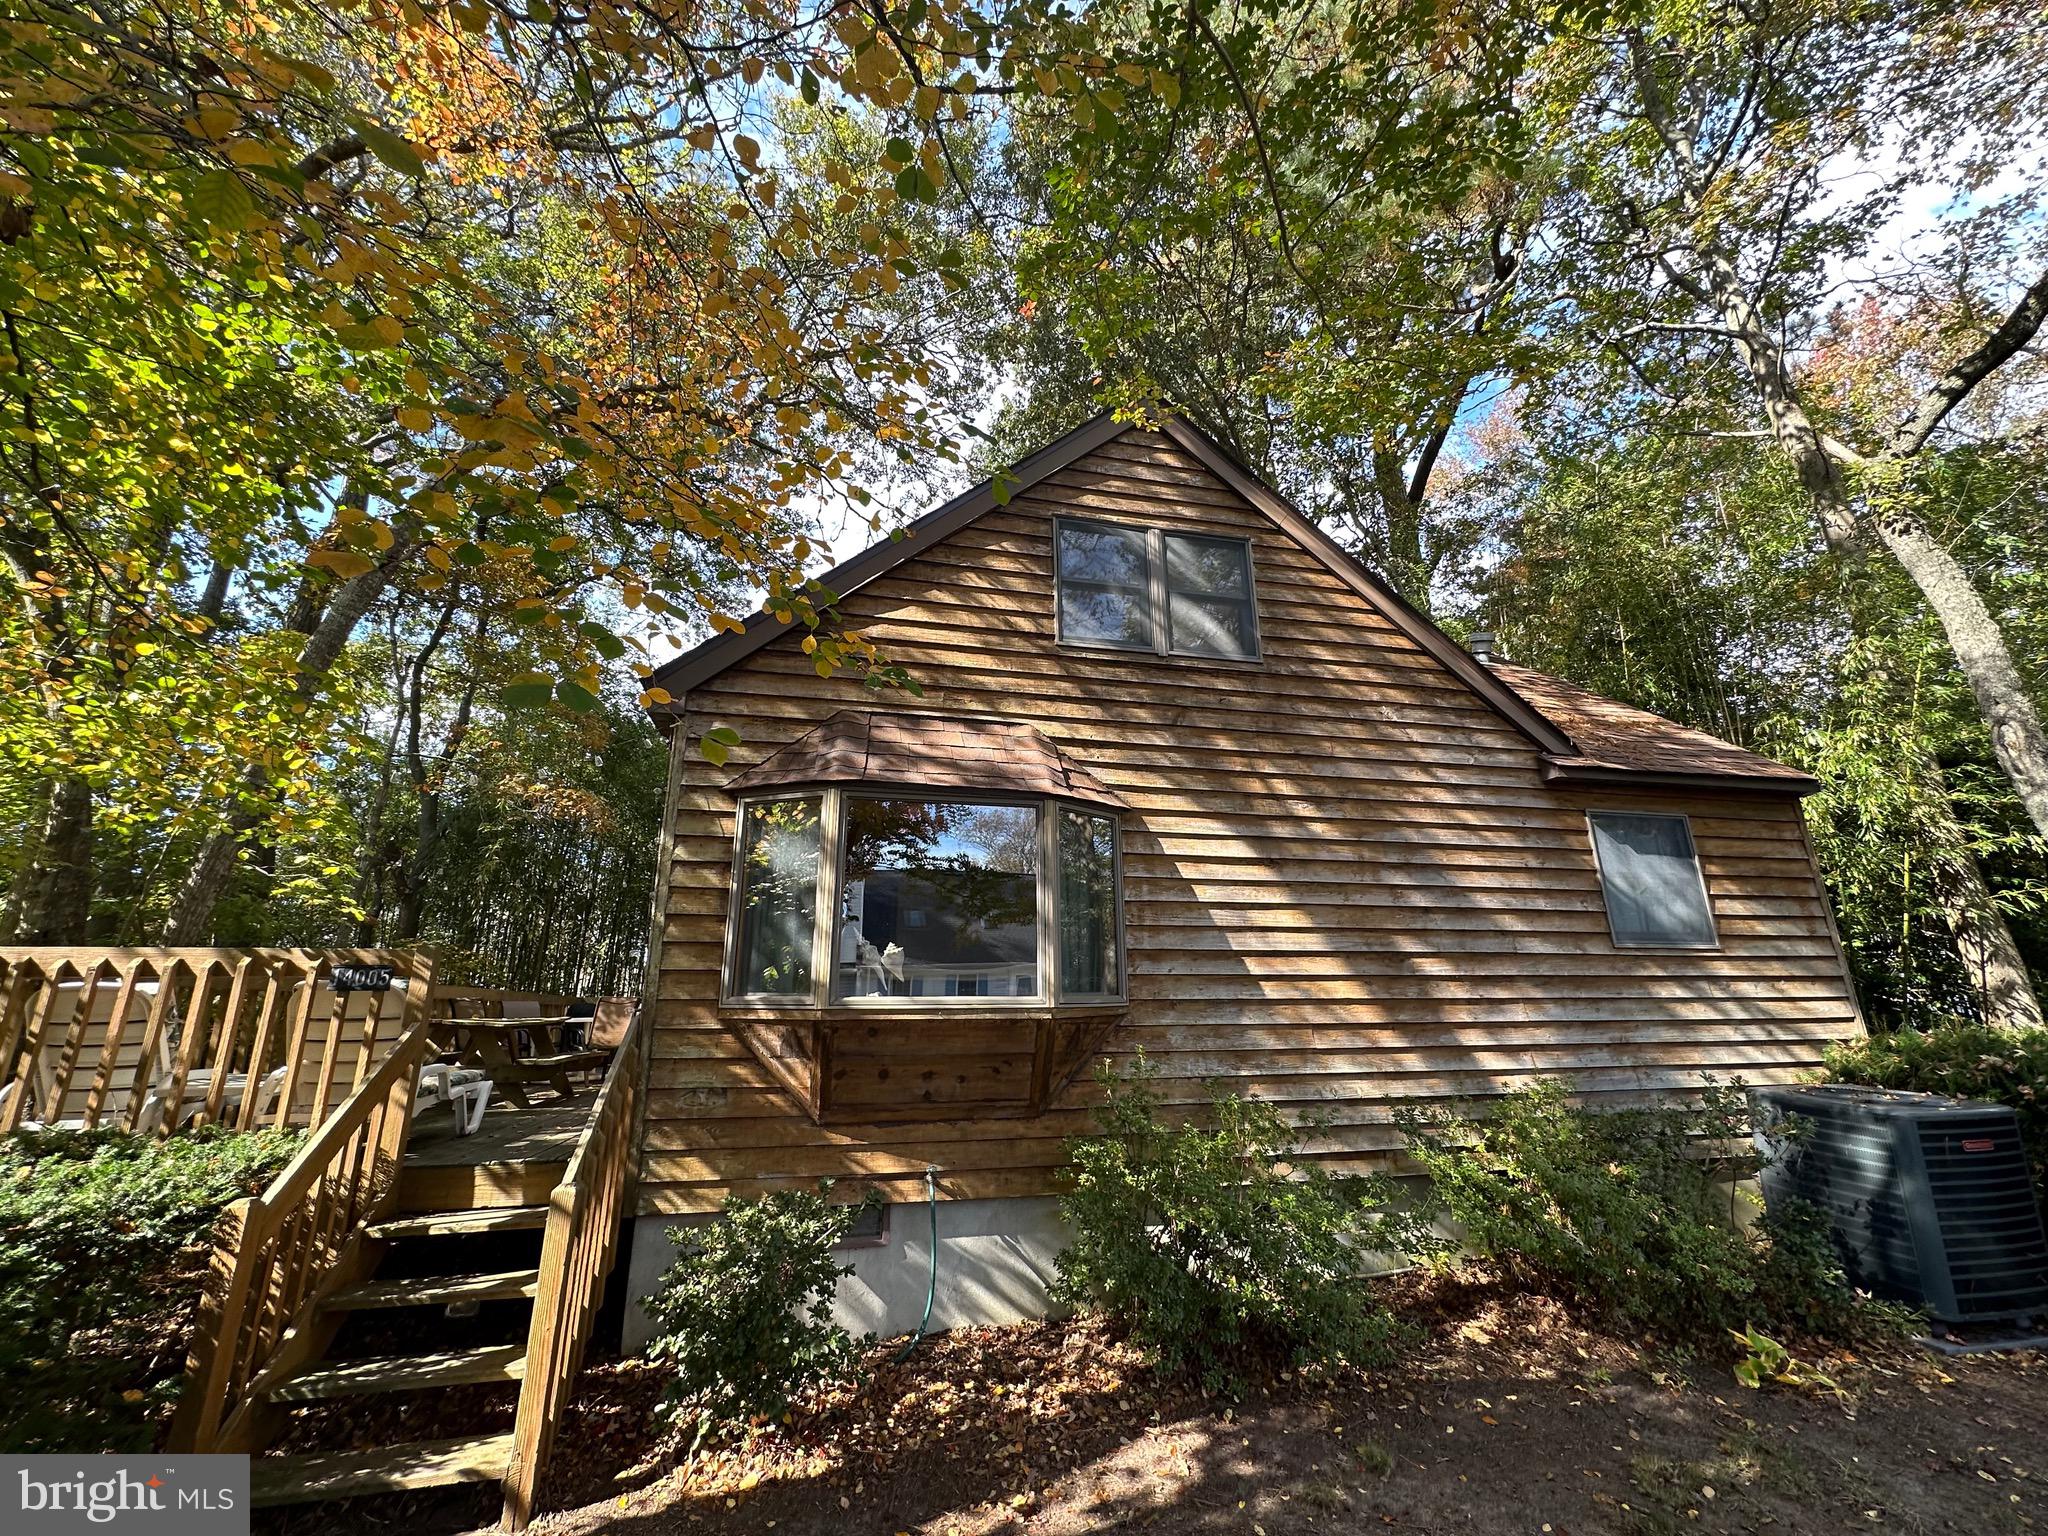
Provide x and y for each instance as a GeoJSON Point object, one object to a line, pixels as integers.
{"type": "Point", "coordinates": [1146, 589]}
{"type": "Point", "coordinates": [1650, 877]}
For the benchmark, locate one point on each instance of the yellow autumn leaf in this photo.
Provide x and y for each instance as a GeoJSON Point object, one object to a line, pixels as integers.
{"type": "Point", "coordinates": [343, 562]}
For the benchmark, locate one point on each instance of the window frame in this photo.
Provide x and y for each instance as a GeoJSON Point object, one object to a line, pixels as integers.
{"type": "Point", "coordinates": [1699, 872]}
{"type": "Point", "coordinates": [729, 964]}
{"type": "Point", "coordinates": [832, 882]}
{"type": "Point", "coordinates": [1158, 599]}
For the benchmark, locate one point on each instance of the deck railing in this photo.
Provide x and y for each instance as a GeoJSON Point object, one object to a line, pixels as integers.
{"type": "Point", "coordinates": [581, 1242]}
{"type": "Point", "coordinates": [163, 1039]}
{"type": "Point", "coordinates": [278, 1255]}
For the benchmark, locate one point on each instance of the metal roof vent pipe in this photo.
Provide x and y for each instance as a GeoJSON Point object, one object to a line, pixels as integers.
{"type": "Point", "coordinates": [1485, 647]}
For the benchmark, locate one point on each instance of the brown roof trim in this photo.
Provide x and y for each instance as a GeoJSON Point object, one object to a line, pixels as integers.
{"type": "Point", "coordinates": [706, 661]}
{"type": "Point", "coordinates": [1572, 770]}
{"type": "Point", "coordinates": [952, 753]}
{"type": "Point", "coordinates": [1347, 568]}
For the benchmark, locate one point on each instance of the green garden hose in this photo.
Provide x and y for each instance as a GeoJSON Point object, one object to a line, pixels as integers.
{"type": "Point", "coordinates": [931, 1286]}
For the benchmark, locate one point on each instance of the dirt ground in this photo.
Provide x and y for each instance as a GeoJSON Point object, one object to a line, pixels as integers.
{"type": "Point", "coordinates": [1509, 1417]}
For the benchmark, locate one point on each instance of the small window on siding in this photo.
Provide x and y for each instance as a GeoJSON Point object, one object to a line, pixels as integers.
{"type": "Point", "coordinates": [778, 897]}
{"type": "Point", "coordinates": [1650, 878]}
{"type": "Point", "coordinates": [1104, 585]}
{"type": "Point", "coordinates": [1180, 594]}
{"type": "Point", "coordinates": [1087, 905]}
{"type": "Point", "coordinates": [1209, 597]}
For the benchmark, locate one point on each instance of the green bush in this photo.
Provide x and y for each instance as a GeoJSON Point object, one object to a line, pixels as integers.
{"type": "Point", "coordinates": [1210, 1246]}
{"type": "Point", "coordinates": [1965, 1061]}
{"type": "Point", "coordinates": [743, 1317]}
{"type": "Point", "coordinates": [1631, 1215]}
{"type": "Point", "coordinates": [104, 1239]}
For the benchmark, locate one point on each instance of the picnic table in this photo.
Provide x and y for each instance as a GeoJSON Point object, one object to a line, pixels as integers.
{"type": "Point", "coordinates": [495, 1046]}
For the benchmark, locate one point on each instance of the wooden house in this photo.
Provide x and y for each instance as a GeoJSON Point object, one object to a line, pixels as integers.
{"type": "Point", "coordinates": [1184, 778]}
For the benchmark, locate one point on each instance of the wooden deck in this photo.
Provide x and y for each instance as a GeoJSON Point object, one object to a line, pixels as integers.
{"type": "Point", "coordinates": [546, 1133]}
{"type": "Point", "coordinates": [514, 1158]}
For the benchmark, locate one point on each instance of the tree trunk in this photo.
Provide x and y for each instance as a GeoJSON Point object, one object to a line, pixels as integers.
{"type": "Point", "coordinates": [191, 916]}
{"type": "Point", "coordinates": [1984, 942]}
{"type": "Point", "coordinates": [327, 628]}
{"type": "Point", "coordinates": [1979, 645]}
{"type": "Point", "coordinates": [57, 904]}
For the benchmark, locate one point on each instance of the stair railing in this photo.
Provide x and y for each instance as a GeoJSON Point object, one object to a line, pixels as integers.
{"type": "Point", "coordinates": [278, 1255]}
{"type": "Point", "coordinates": [581, 1242]}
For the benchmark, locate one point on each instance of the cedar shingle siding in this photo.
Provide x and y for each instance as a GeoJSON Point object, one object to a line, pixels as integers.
{"type": "Point", "coordinates": [1347, 878]}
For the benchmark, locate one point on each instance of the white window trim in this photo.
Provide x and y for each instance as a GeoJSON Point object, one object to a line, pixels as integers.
{"type": "Point", "coordinates": [1699, 872]}
{"type": "Point", "coordinates": [832, 881]}
{"type": "Point", "coordinates": [1158, 601]}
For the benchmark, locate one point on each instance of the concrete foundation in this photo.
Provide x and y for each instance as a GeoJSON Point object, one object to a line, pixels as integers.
{"type": "Point", "coordinates": [995, 1262]}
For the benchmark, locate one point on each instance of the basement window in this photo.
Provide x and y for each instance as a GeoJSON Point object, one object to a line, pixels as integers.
{"type": "Point", "coordinates": [1651, 881]}
{"type": "Point", "coordinates": [1149, 590]}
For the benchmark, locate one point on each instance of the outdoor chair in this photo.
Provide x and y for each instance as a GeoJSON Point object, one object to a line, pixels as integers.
{"type": "Point", "coordinates": [356, 1030]}
{"type": "Point", "coordinates": [466, 1090]}
{"type": "Point", "coordinates": [609, 1021]}
{"type": "Point", "coordinates": [90, 1047]}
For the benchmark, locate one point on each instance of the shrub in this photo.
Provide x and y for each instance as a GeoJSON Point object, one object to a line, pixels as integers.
{"type": "Point", "coordinates": [1965, 1061]}
{"type": "Point", "coordinates": [744, 1315]}
{"type": "Point", "coordinates": [1631, 1214]}
{"type": "Point", "coordinates": [103, 1246]}
{"type": "Point", "coordinates": [1210, 1246]}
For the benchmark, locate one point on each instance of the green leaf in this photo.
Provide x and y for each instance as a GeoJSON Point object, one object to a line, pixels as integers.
{"type": "Point", "coordinates": [391, 148]}
{"type": "Point", "coordinates": [528, 693]}
{"type": "Point", "coordinates": [576, 696]}
{"type": "Point", "coordinates": [914, 185]}
{"type": "Point", "coordinates": [716, 744]}
{"type": "Point", "coordinates": [220, 199]}
{"type": "Point", "coordinates": [609, 645]}
{"type": "Point", "coordinates": [808, 85]}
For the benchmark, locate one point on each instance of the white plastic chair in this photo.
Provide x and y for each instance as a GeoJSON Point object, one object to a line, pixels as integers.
{"type": "Point", "coordinates": [464, 1089]}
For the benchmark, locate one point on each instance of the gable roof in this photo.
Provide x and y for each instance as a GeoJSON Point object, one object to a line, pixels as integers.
{"type": "Point", "coordinates": [1619, 744]}
{"type": "Point", "coordinates": [931, 751]}
{"type": "Point", "coordinates": [715, 655]}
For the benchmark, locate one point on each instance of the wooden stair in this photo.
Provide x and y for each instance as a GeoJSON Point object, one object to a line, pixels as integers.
{"type": "Point", "coordinates": [403, 1373]}
{"type": "Point", "coordinates": [319, 1476]}
{"type": "Point", "coordinates": [379, 1294]}
{"type": "Point", "coordinates": [496, 1218]}
{"type": "Point", "coordinates": [388, 1469]}
{"type": "Point", "coordinates": [327, 1284]}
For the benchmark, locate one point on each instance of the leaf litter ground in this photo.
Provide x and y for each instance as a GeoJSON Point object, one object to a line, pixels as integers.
{"type": "Point", "coordinates": [1508, 1416]}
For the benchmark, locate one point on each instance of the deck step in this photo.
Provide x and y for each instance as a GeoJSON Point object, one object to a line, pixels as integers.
{"type": "Point", "coordinates": [403, 1373]}
{"type": "Point", "coordinates": [433, 1290]}
{"type": "Point", "coordinates": [345, 1475]}
{"type": "Point", "coordinates": [499, 1218]}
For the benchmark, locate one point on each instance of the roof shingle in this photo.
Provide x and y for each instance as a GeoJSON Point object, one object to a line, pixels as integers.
{"type": "Point", "coordinates": [1622, 739]}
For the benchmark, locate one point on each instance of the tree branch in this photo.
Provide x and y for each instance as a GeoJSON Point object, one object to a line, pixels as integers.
{"type": "Point", "coordinates": [1950, 390]}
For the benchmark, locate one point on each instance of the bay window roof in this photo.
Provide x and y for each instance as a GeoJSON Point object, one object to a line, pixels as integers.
{"type": "Point", "coordinates": [931, 751]}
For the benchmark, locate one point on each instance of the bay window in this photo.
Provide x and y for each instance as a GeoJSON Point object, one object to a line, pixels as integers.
{"type": "Point", "coordinates": [868, 898]}
{"type": "Point", "coordinates": [776, 921]}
